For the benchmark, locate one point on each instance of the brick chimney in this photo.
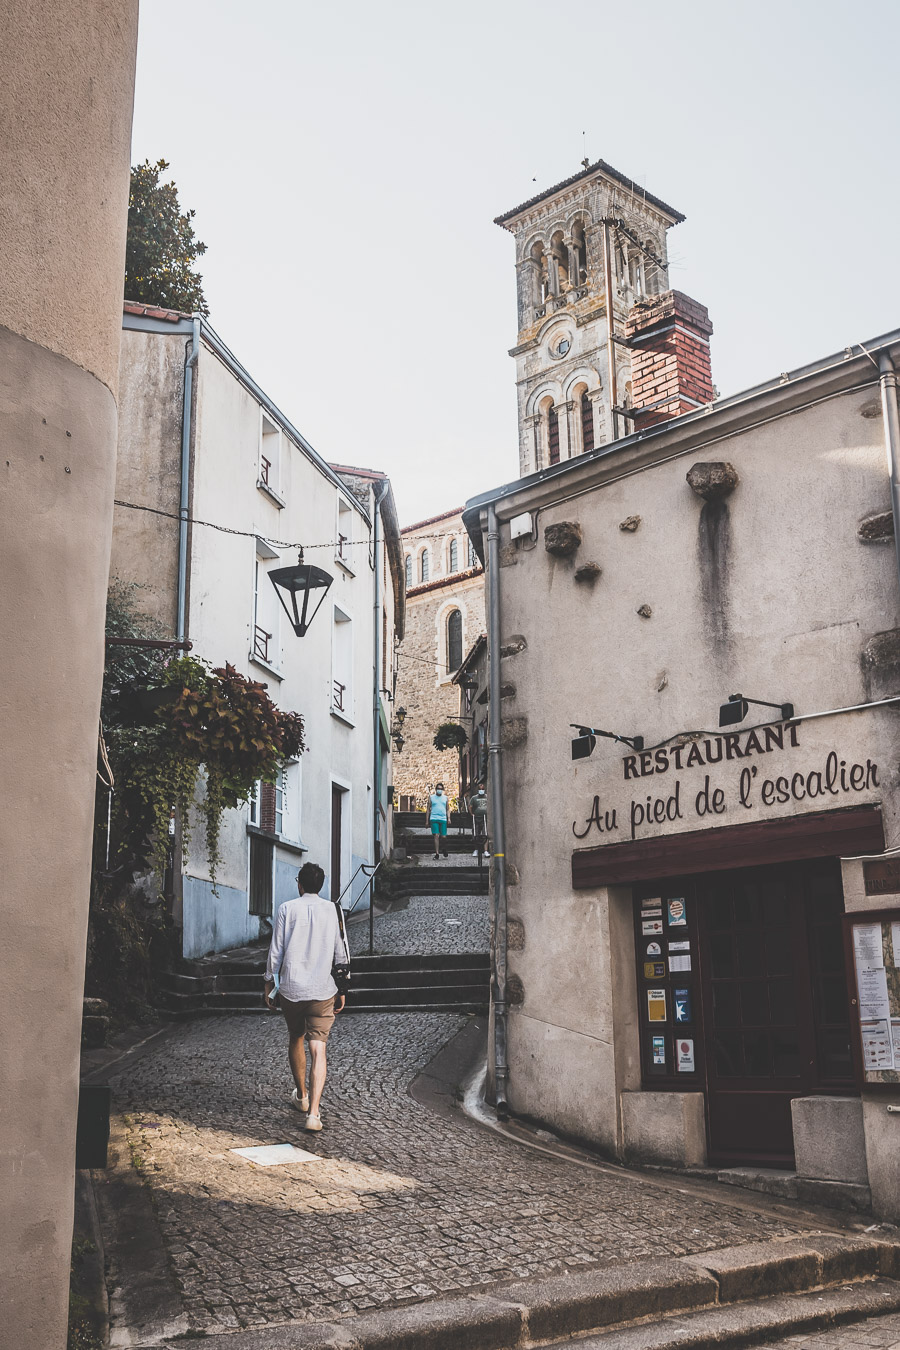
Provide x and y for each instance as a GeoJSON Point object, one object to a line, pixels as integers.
{"type": "Point", "coordinates": [670, 366]}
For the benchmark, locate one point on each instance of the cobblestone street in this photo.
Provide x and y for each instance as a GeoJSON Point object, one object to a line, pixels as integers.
{"type": "Point", "coordinates": [429, 924]}
{"type": "Point", "coordinates": [401, 1203]}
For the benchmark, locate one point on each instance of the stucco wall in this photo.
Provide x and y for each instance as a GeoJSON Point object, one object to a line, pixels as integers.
{"type": "Point", "coordinates": [65, 98]}
{"type": "Point", "coordinates": [771, 593]}
{"type": "Point", "coordinates": [148, 469]}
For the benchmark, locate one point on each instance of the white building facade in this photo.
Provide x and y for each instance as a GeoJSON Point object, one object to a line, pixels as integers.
{"type": "Point", "coordinates": [198, 437]}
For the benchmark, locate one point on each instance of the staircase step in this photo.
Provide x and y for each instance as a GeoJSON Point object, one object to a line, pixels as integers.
{"type": "Point", "coordinates": [420, 994]}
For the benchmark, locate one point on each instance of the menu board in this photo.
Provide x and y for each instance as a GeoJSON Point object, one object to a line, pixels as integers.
{"type": "Point", "coordinates": [874, 951]}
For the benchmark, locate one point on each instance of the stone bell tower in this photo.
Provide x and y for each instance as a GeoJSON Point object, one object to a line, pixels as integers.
{"type": "Point", "coordinates": [596, 234]}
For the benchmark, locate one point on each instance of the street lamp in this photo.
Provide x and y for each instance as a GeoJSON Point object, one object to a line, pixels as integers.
{"type": "Point", "coordinates": [583, 744]}
{"type": "Point", "coordinates": [294, 587]}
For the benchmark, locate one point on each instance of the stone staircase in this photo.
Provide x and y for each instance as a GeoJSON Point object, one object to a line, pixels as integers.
{"type": "Point", "coordinates": [232, 982]}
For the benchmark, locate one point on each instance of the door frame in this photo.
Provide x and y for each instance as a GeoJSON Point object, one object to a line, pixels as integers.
{"type": "Point", "coordinates": [346, 790]}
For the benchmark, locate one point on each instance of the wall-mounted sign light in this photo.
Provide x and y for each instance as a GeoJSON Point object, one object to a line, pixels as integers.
{"type": "Point", "coordinates": [294, 587]}
{"type": "Point", "coordinates": [583, 744]}
{"type": "Point", "coordinates": [737, 707]}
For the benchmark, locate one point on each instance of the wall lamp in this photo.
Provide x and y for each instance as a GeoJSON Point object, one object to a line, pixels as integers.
{"type": "Point", "coordinates": [737, 707]}
{"type": "Point", "coordinates": [294, 587]}
{"type": "Point", "coordinates": [583, 744]}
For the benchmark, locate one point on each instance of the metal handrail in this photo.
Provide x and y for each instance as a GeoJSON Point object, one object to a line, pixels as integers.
{"type": "Point", "coordinates": [363, 867]}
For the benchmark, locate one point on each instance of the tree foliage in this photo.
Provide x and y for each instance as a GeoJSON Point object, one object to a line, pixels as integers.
{"type": "Point", "coordinates": [162, 248]}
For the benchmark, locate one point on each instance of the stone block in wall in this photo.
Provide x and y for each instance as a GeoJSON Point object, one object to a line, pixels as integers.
{"type": "Point", "coordinates": [563, 539]}
{"type": "Point", "coordinates": [513, 732]}
{"type": "Point", "coordinates": [511, 646]}
{"type": "Point", "coordinates": [664, 1127]}
{"type": "Point", "coordinates": [829, 1140]}
{"type": "Point", "coordinates": [515, 934]}
{"type": "Point", "coordinates": [880, 660]}
{"type": "Point", "coordinates": [877, 529]}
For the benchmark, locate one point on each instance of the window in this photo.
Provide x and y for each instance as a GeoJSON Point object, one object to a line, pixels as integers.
{"type": "Point", "coordinates": [454, 641]}
{"type": "Point", "coordinates": [254, 804]}
{"type": "Point", "coordinates": [424, 566]}
{"type": "Point", "coordinates": [587, 424]}
{"type": "Point", "coordinates": [343, 551]}
{"type": "Point", "coordinates": [454, 556]}
{"type": "Point", "coordinates": [471, 555]}
{"type": "Point", "coordinates": [269, 480]}
{"type": "Point", "coordinates": [579, 252]}
{"type": "Point", "coordinates": [342, 664]}
{"type": "Point", "coordinates": [409, 575]}
{"type": "Point", "coordinates": [287, 802]}
{"type": "Point", "coordinates": [552, 436]}
{"type": "Point", "coordinates": [266, 637]}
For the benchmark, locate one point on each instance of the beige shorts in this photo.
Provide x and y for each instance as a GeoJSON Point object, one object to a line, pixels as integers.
{"type": "Point", "coordinates": [313, 1018]}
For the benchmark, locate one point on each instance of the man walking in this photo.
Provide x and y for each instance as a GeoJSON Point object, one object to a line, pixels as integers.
{"type": "Point", "coordinates": [306, 942]}
{"type": "Point", "coordinates": [437, 817]}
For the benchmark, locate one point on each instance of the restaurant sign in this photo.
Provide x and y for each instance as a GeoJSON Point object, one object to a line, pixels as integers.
{"type": "Point", "coordinates": [751, 787]}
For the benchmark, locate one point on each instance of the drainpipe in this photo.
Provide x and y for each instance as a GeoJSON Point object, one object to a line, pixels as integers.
{"type": "Point", "coordinates": [501, 1065]}
{"type": "Point", "coordinates": [181, 614]}
{"type": "Point", "coordinates": [891, 419]}
{"type": "Point", "coordinates": [379, 495]}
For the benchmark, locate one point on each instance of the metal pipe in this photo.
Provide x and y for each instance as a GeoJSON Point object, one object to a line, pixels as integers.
{"type": "Point", "coordinates": [891, 418]}
{"type": "Point", "coordinates": [184, 502]}
{"type": "Point", "coordinates": [379, 494]}
{"type": "Point", "coordinates": [610, 335]}
{"type": "Point", "coordinates": [498, 830]}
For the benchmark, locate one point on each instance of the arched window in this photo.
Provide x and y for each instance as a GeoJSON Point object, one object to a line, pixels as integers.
{"type": "Point", "coordinates": [552, 436]}
{"type": "Point", "coordinates": [454, 556]}
{"type": "Point", "coordinates": [541, 275]}
{"type": "Point", "coordinates": [454, 641]}
{"type": "Point", "coordinates": [409, 580]}
{"type": "Point", "coordinates": [471, 555]}
{"type": "Point", "coordinates": [587, 424]}
{"type": "Point", "coordinates": [579, 250]}
{"type": "Point", "coordinates": [424, 565]}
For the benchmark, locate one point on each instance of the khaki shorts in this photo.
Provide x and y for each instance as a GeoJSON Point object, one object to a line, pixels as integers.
{"type": "Point", "coordinates": [313, 1018]}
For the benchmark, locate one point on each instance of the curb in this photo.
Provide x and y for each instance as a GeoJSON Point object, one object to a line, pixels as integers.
{"type": "Point", "coordinates": [718, 1284]}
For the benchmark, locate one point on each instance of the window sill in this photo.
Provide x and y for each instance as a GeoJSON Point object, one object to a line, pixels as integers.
{"type": "Point", "coordinates": [264, 665]}
{"type": "Point", "coordinates": [271, 493]}
{"type": "Point", "coordinates": [342, 717]}
{"type": "Point", "coordinates": [291, 845]}
{"type": "Point", "coordinates": [345, 566]}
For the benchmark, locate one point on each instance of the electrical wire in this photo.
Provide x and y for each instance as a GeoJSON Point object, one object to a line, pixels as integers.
{"type": "Point", "coordinates": [256, 534]}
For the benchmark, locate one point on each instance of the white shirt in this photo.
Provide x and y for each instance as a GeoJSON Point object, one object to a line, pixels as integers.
{"type": "Point", "coordinates": [306, 942]}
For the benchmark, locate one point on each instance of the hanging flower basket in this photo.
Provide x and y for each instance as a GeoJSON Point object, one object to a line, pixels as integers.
{"type": "Point", "coordinates": [451, 736]}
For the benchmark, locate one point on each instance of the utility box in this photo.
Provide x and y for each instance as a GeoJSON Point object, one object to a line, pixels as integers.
{"type": "Point", "coordinates": [92, 1132]}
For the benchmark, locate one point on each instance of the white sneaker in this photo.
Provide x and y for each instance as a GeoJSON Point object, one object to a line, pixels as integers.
{"type": "Point", "coordinates": [299, 1103]}
{"type": "Point", "coordinates": [313, 1122]}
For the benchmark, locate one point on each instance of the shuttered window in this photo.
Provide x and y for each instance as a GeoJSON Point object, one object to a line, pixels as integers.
{"type": "Point", "coordinates": [587, 424]}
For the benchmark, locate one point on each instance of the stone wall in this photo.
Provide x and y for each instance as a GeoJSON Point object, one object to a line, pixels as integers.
{"type": "Point", "coordinates": [424, 686]}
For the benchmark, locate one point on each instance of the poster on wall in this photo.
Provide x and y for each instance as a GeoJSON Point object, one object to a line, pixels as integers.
{"type": "Point", "coordinates": [659, 1050]}
{"type": "Point", "coordinates": [654, 949]}
{"type": "Point", "coordinates": [651, 926]}
{"type": "Point", "coordinates": [654, 970]}
{"type": "Point", "coordinates": [681, 1002]}
{"type": "Point", "coordinates": [873, 945]}
{"type": "Point", "coordinates": [679, 963]}
{"type": "Point", "coordinates": [656, 1005]}
{"type": "Point", "coordinates": [685, 1053]}
{"type": "Point", "coordinates": [677, 914]}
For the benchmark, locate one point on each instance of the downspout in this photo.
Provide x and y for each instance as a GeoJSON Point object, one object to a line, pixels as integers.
{"type": "Point", "coordinates": [184, 502]}
{"type": "Point", "coordinates": [498, 991]}
{"type": "Point", "coordinates": [891, 419]}
{"type": "Point", "coordinates": [379, 494]}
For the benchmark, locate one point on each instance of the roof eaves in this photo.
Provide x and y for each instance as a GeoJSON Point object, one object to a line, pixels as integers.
{"type": "Point", "coordinates": [600, 166]}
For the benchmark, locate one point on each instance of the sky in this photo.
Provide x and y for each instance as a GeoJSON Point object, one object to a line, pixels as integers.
{"type": "Point", "coordinates": [346, 161]}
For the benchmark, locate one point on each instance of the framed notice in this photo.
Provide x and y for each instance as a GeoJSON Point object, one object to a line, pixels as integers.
{"type": "Point", "coordinates": [873, 960]}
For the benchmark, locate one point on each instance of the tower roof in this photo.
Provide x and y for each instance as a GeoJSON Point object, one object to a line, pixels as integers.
{"type": "Point", "coordinates": [599, 166]}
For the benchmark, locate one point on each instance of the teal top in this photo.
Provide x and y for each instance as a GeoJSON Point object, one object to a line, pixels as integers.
{"type": "Point", "coordinates": [438, 806]}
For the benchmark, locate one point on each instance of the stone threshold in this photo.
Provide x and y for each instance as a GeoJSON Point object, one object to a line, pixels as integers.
{"type": "Point", "coordinates": [735, 1296]}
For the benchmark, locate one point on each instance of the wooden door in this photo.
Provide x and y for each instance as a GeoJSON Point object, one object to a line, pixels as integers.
{"type": "Point", "coordinates": [337, 794]}
{"type": "Point", "coordinates": [758, 972]}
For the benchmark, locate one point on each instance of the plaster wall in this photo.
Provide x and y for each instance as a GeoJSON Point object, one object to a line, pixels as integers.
{"type": "Point", "coordinates": [772, 593]}
{"type": "Point", "coordinates": [148, 469]}
{"type": "Point", "coordinates": [65, 106]}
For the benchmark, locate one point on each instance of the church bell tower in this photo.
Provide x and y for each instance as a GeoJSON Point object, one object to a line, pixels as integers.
{"type": "Point", "coordinates": [591, 255]}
